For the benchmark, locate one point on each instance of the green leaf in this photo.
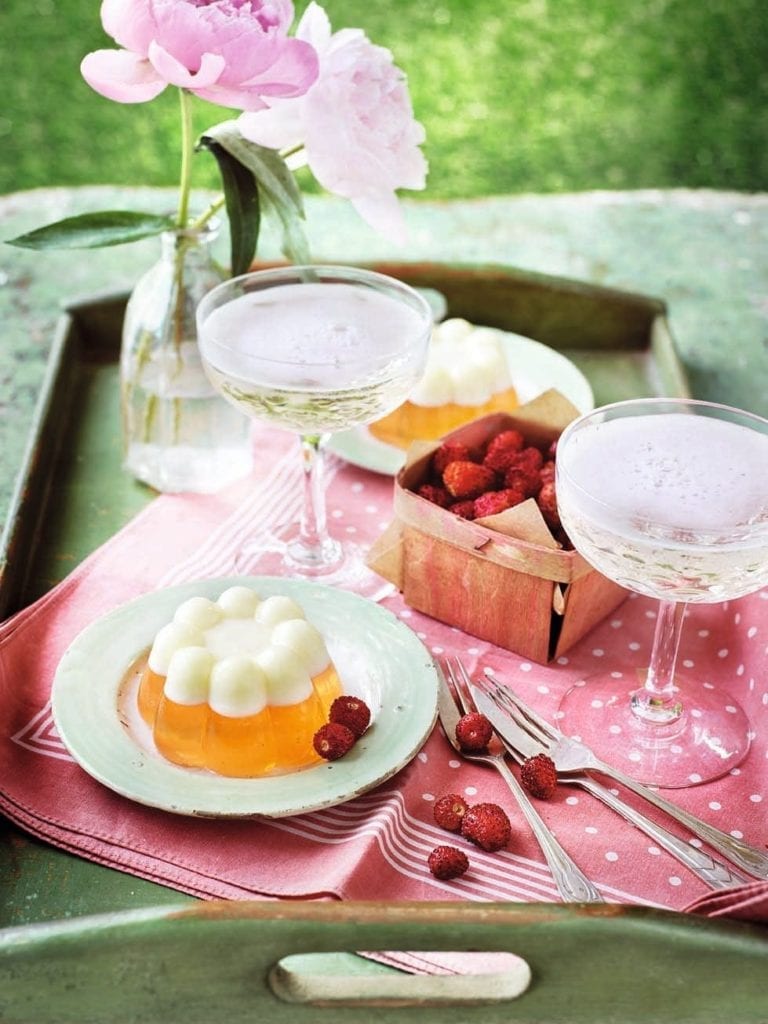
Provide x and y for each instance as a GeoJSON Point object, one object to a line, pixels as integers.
{"type": "Point", "coordinates": [241, 196]}
{"type": "Point", "coordinates": [277, 186]}
{"type": "Point", "coordinates": [95, 230]}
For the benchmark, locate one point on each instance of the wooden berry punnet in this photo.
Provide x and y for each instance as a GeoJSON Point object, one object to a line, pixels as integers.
{"type": "Point", "coordinates": [504, 578]}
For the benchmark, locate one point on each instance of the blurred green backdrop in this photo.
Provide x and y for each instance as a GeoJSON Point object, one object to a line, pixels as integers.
{"type": "Point", "coordinates": [516, 95]}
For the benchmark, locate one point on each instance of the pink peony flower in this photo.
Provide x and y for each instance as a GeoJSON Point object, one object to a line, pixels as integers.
{"type": "Point", "coordinates": [355, 123]}
{"type": "Point", "coordinates": [230, 52]}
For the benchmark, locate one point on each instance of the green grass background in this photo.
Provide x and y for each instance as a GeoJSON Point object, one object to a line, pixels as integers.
{"type": "Point", "coordinates": [516, 95]}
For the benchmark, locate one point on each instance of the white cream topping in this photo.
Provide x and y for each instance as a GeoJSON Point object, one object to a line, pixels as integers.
{"type": "Point", "coordinates": [466, 365]}
{"type": "Point", "coordinates": [238, 653]}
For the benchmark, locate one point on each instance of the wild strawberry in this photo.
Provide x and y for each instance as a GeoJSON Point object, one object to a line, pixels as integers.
{"type": "Point", "coordinates": [465, 479]}
{"type": "Point", "coordinates": [450, 451]}
{"type": "Point", "coordinates": [529, 458]}
{"type": "Point", "coordinates": [473, 731]}
{"type": "Point", "coordinates": [437, 495]}
{"type": "Point", "coordinates": [501, 459]}
{"type": "Point", "coordinates": [539, 776]}
{"type": "Point", "coordinates": [449, 810]}
{"type": "Point", "coordinates": [352, 712]}
{"type": "Point", "coordinates": [487, 825]}
{"type": "Point", "coordinates": [465, 509]}
{"type": "Point", "coordinates": [447, 862]}
{"type": "Point", "coordinates": [492, 502]}
{"type": "Point", "coordinates": [524, 479]}
{"type": "Point", "coordinates": [547, 472]}
{"type": "Point", "coordinates": [506, 440]}
{"type": "Point", "coordinates": [547, 502]}
{"type": "Point", "coordinates": [333, 741]}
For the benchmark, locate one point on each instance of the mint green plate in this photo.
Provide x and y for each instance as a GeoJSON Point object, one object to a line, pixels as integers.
{"type": "Point", "coordinates": [378, 658]}
{"type": "Point", "coordinates": [533, 367]}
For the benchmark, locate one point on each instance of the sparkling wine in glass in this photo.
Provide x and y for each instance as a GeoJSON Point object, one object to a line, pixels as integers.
{"type": "Point", "coordinates": [669, 498]}
{"type": "Point", "coordinates": [315, 350]}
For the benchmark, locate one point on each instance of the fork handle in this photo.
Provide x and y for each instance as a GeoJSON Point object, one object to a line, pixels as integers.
{"type": "Point", "coordinates": [747, 857]}
{"type": "Point", "coordinates": [572, 884]}
{"type": "Point", "coordinates": [711, 871]}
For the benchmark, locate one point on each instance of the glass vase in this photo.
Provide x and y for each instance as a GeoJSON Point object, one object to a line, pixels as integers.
{"type": "Point", "coordinates": [178, 433]}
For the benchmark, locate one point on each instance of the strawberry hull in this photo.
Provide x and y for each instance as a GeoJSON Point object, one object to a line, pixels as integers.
{"type": "Point", "coordinates": [503, 578]}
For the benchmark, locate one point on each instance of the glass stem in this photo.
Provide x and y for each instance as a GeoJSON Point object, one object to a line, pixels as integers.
{"type": "Point", "coordinates": [314, 548]}
{"type": "Point", "coordinates": [657, 701]}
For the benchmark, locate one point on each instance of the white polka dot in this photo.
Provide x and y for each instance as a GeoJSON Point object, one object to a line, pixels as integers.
{"type": "Point", "coordinates": [654, 851]}
{"type": "Point", "coordinates": [696, 712]}
{"type": "Point", "coordinates": [406, 613]}
{"type": "Point", "coordinates": [635, 755]}
{"type": "Point", "coordinates": [616, 623]}
{"type": "Point", "coordinates": [471, 790]}
{"type": "Point", "coordinates": [357, 487]}
{"type": "Point", "coordinates": [591, 830]}
{"type": "Point", "coordinates": [694, 777]}
{"type": "Point", "coordinates": [735, 771]}
{"type": "Point", "coordinates": [562, 660]}
{"type": "Point", "coordinates": [715, 805]}
{"type": "Point", "coordinates": [350, 529]}
{"type": "Point", "coordinates": [674, 880]}
{"type": "Point", "coordinates": [723, 652]}
{"type": "Point", "coordinates": [650, 614]}
{"type": "Point", "coordinates": [473, 650]}
{"type": "Point", "coordinates": [617, 675]}
{"type": "Point", "coordinates": [695, 842]}
{"type": "Point", "coordinates": [739, 670]}
{"type": "Point", "coordinates": [731, 709]}
{"type": "Point", "coordinates": [337, 513]}
{"type": "Point", "coordinates": [598, 652]}
{"type": "Point", "coordinates": [423, 757]}
{"type": "Point", "coordinates": [676, 748]}
{"type": "Point", "coordinates": [756, 798]}
{"type": "Point", "coordinates": [614, 791]}
{"type": "Point", "coordinates": [561, 714]}
{"type": "Point", "coordinates": [422, 636]}
{"type": "Point", "coordinates": [542, 689]}
{"type": "Point", "coordinates": [703, 632]}
{"type": "Point", "coordinates": [737, 833]}
{"type": "Point", "coordinates": [438, 650]}
{"type": "Point", "coordinates": [709, 686]}
{"type": "Point", "coordinates": [752, 631]}
{"type": "Point", "coordinates": [615, 730]}
{"type": "Point", "coordinates": [372, 509]}
{"type": "Point", "coordinates": [634, 646]}
{"type": "Point", "coordinates": [580, 682]}
{"type": "Point", "coordinates": [525, 666]}
{"type": "Point", "coordinates": [596, 704]}
{"type": "Point", "coordinates": [454, 764]}
{"type": "Point", "coordinates": [737, 618]}
{"type": "Point", "coordinates": [688, 663]}
{"type": "Point", "coordinates": [428, 796]}
{"type": "Point", "coordinates": [572, 800]}
{"type": "Point", "coordinates": [611, 855]}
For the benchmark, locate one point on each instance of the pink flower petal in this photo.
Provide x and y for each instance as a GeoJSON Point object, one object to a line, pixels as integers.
{"type": "Point", "coordinates": [173, 71]}
{"type": "Point", "coordinates": [291, 74]}
{"type": "Point", "coordinates": [280, 127]}
{"type": "Point", "coordinates": [384, 214]}
{"type": "Point", "coordinates": [130, 23]}
{"type": "Point", "coordinates": [121, 76]}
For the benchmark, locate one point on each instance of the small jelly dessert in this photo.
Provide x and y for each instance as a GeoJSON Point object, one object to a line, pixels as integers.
{"type": "Point", "coordinates": [238, 686]}
{"type": "Point", "coordinates": [467, 375]}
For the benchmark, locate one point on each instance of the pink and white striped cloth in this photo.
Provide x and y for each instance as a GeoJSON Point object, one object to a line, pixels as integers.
{"type": "Point", "coordinates": [375, 846]}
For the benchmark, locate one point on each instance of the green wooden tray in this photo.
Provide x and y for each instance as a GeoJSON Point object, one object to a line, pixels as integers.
{"type": "Point", "coordinates": [146, 954]}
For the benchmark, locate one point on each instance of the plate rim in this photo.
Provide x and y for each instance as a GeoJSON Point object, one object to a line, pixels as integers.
{"type": "Point", "coordinates": [359, 447]}
{"type": "Point", "coordinates": [148, 779]}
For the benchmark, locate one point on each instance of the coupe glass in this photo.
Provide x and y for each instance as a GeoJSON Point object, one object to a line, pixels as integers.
{"type": "Point", "coordinates": [669, 499]}
{"type": "Point", "coordinates": [313, 349]}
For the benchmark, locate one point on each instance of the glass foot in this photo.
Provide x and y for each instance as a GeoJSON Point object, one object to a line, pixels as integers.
{"type": "Point", "coordinates": [709, 738]}
{"type": "Point", "coordinates": [336, 564]}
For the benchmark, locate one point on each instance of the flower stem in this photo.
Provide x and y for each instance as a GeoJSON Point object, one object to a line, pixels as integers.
{"type": "Point", "coordinates": [187, 149]}
{"type": "Point", "coordinates": [206, 215]}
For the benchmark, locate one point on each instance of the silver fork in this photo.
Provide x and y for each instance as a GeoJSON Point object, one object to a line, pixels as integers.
{"type": "Point", "coordinates": [571, 882]}
{"type": "Point", "coordinates": [522, 745]}
{"type": "Point", "coordinates": [572, 755]}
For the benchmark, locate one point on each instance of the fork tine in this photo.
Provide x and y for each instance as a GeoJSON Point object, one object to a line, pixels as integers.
{"type": "Point", "coordinates": [504, 702]}
{"type": "Point", "coordinates": [461, 682]}
{"type": "Point", "coordinates": [541, 724]}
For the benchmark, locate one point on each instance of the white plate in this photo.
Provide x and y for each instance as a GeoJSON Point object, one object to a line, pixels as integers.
{"type": "Point", "coordinates": [378, 658]}
{"type": "Point", "coordinates": [533, 367]}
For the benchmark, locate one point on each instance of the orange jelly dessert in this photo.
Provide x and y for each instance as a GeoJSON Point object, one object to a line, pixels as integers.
{"type": "Point", "coordinates": [238, 686]}
{"type": "Point", "coordinates": [466, 376]}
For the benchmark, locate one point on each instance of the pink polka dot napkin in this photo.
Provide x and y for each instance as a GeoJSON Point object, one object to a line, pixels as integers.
{"type": "Point", "coordinates": [375, 846]}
